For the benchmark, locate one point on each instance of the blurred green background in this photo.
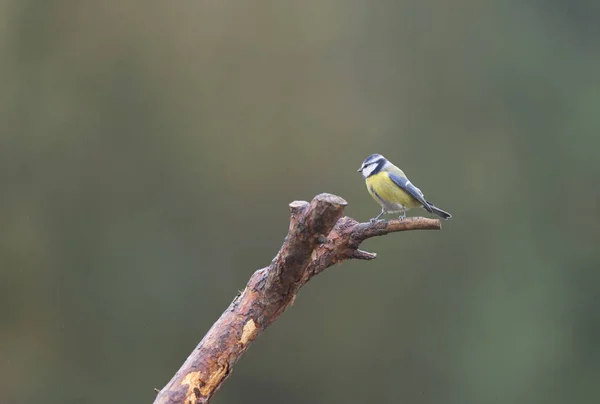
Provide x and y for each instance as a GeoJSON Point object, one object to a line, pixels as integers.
{"type": "Point", "coordinates": [149, 150]}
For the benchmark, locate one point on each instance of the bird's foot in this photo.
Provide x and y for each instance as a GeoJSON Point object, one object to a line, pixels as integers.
{"type": "Point", "coordinates": [403, 214]}
{"type": "Point", "coordinates": [375, 220]}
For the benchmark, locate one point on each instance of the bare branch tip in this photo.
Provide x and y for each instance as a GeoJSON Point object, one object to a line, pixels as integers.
{"type": "Point", "coordinates": [331, 199]}
{"type": "Point", "coordinates": [413, 223]}
{"type": "Point", "coordinates": [298, 206]}
{"type": "Point", "coordinates": [364, 255]}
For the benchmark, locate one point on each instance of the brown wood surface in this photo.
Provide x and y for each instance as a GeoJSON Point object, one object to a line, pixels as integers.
{"type": "Point", "coordinates": [318, 237]}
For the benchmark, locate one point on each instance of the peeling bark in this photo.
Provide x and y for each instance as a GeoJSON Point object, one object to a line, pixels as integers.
{"type": "Point", "coordinates": [318, 237]}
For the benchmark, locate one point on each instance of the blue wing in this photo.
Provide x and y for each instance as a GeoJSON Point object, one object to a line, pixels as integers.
{"type": "Point", "coordinates": [409, 188]}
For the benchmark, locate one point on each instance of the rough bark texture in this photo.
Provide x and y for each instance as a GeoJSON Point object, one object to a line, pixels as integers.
{"type": "Point", "coordinates": [318, 237]}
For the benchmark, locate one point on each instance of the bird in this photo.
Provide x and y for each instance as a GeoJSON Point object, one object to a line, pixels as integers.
{"type": "Point", "coordinates": [389, 186]}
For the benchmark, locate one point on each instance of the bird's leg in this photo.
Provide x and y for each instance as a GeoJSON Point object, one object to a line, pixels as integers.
{"type": "Point", "coordinates": [378, 216]}
{"type": "Point", "coordinates": [403, 214]}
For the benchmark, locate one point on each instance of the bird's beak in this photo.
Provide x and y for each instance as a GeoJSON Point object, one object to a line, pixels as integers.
{"type": "Point", "coordinates": [359, 170]}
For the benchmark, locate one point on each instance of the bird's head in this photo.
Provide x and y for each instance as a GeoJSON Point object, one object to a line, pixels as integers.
{"type": "Point", "coordinates": [372, 165]}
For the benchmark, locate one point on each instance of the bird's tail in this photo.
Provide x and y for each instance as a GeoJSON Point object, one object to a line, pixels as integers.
{"type": "Point", "coordinates": [441, 213]}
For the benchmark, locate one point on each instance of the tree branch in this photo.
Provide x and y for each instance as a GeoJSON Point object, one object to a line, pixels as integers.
{"type": "Point", "coordinates": [318, 237]}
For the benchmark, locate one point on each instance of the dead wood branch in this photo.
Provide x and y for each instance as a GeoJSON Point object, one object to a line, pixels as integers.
{"type": "Point", "coordinates": [318, 237]}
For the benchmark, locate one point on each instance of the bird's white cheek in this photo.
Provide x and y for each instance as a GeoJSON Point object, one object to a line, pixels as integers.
{"type": "Point", "coordinates": [368, 170]}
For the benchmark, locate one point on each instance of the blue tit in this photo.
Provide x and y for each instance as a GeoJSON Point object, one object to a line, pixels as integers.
{"type": "Point", "coordinates": [388, 185]}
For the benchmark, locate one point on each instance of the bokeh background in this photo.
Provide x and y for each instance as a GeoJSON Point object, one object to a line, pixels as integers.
{"type": "Point", "coordinates": [149, 150]}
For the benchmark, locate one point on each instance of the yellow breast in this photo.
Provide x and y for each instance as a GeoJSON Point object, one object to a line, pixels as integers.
{"type": "Point", "coordinates": [386, 192]}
